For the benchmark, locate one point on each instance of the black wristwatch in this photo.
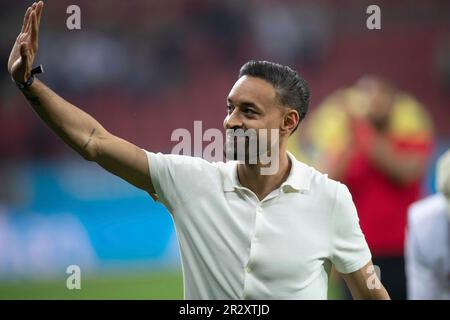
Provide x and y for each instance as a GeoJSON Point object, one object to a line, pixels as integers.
{"type": "Point", "coordinates": [29, 82]}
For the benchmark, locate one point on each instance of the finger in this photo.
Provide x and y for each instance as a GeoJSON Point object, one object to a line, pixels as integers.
{"type": "Point", "coordinates": [34, 28]}
{"type": "Point", "coordinates": [29, 22]}
{"type": "Point", "coordinates": [24, 54]}
{"type": "Point", "coordinates": [33, 11]}
{"type": "Point", "coordinates": [23, 50]}
{"type": "Point", "coordinates": [40, 6]}
{"type": "Point", "coordinates": [26, 19]}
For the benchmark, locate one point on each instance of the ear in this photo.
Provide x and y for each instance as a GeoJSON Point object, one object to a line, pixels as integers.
{"type": "Point", "coordinates": [290, 120]}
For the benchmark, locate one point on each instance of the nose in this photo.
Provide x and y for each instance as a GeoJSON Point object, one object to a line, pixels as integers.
{"type": "Point", "coordinates": [233, 120]}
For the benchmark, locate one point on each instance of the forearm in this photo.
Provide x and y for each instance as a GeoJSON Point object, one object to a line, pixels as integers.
{"type": "Point", "coordinates": [402, 168]}
{"type": "Point", "coordinates": [74, 126]}
{"type": "Point", "coordinates": [338, 166]}
{"type": "Point", "coordinates": [372, 294]}
{"type": "Point", "coordinates": [364, 284]}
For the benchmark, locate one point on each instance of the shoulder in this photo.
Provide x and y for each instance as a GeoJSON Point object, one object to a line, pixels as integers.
{"type": "Point", "coordinates": [175, 158]}
{"type": "Point", "coordinates": [324, 191]}
{"type": "Point", "coordinates": [174, 161]}
{"type": "Point", "coordinates": [431, 208]}
{"type": "Point", "coordinates": [178, 178]}
{"type": "Point", "coordinates": [186, 171]}
{"type": "Point", "coordinates": [428, 226]}
{"type": "Point", "coordinates": [324, 185]}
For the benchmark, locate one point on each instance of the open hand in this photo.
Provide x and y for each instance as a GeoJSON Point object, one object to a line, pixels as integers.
{"type": "Point", "coordinates": [25, 48]}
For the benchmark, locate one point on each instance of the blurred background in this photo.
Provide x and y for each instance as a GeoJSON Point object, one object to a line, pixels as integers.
{"type": "Point", "coordinates": [146, 68]}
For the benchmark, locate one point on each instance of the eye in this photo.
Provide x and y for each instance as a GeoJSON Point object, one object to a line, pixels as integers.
{"type": "Point", "coordinates": [230, 109]}
{"type": "Point", "coordinates": [249, 112]}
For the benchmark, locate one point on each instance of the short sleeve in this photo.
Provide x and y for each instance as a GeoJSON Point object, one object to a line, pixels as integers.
{"type": "Point", "coordinates": [350, 251]}
{"type": "Point", "coordinates": [174, 177]}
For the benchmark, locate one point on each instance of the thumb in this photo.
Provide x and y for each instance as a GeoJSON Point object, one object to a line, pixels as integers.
{"type": "Point", "coordinates": [25, 55]}
{"type": "Point", "coordinates": [24, 51]}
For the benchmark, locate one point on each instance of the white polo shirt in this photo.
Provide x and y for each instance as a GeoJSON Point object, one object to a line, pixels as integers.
{"type": "Point", "coordinates": [234, 246]}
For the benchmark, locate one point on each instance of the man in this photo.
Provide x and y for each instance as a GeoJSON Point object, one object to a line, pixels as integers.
{"type": "Point", "coordinates": [427, 250]}
{"type": "Point", "coordinates": [377, 141]}
{"type": "Point", "coordinates": [242, 234]}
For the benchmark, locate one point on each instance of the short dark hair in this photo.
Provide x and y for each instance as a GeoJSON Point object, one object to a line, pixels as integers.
{"type": "Point", "coordinates": [292, 90]}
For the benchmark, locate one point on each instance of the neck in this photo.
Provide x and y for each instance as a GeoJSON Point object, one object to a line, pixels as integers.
{"type": "Point", "coordinates": [250, 176]}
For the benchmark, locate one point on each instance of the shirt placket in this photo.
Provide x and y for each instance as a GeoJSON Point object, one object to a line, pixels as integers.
{"type": "Point", "coordinates": [259, 211]}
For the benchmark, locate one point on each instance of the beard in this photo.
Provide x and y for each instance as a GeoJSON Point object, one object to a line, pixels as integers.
{"type": "Point", "coordinates": [241, 149]}
{"type": "Point", "coordinates": [249, 146]}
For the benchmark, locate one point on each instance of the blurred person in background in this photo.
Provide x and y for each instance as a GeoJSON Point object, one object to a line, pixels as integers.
{"type": "Point", "coordinates": [428, 243]}
{"type": "Point", "coordinates": [377, 140]}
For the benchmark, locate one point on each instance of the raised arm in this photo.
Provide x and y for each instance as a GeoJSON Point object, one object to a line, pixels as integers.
{"type": "Point", "coordinates": [75, 127]}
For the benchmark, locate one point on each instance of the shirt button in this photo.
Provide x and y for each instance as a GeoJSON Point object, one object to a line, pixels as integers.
{"type": "Point", "coordinates": [248, 269]}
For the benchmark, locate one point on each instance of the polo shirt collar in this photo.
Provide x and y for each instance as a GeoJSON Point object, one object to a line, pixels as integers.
{"type": "Point", "coordinates": [299, 178]}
